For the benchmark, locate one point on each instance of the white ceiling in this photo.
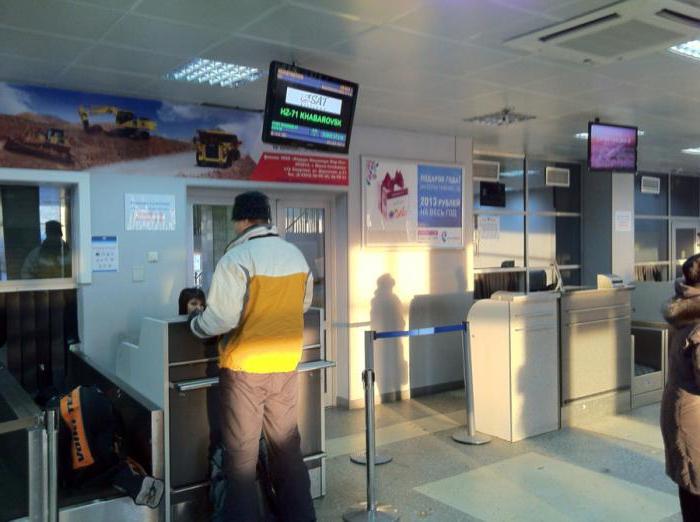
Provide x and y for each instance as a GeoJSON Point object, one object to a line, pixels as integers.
{"type": "Point", "coordinates": [421, 64]}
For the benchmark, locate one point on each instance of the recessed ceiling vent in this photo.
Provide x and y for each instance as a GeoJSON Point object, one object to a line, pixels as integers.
{"type": "Point", "coordinates": [620, 31]}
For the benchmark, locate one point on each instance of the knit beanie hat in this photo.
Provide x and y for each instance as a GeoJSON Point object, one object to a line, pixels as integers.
{"type": "Point", "coordinates": [691, 271]}
{"type": "Point", "coordinates": [251, 205]}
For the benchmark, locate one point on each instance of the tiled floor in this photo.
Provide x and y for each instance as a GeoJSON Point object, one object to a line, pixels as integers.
{"type": "Point", "coordinates": [611, 470]}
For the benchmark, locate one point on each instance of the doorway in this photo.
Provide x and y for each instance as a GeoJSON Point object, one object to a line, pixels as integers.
{"type": "Point", "coordinates": [304, 222]}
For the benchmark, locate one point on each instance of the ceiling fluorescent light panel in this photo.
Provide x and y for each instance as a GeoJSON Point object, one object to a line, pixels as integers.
{"type": "Point", "coordinates": [212, 72]}
{"type": "Point", "coordinates": [689, 49]}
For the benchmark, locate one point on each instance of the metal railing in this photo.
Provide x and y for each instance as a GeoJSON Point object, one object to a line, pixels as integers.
{"type": "Point", "coordinates": [42, 444]}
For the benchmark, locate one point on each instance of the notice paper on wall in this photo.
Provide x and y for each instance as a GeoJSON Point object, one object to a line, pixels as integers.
{"type": "Point", "coordinates": [412, 203]}
{"type": "Point", "coordinates": [489, 227]}
{"type": "Point", "coordinates": [105, 254]}
{"type": "Point", "coordinates": [149, 212]}
{"type": "Point", "coordinates": [623, 221]}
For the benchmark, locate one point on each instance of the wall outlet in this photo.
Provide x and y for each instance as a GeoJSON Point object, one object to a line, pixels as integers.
{"type": "Point", "coordinates": [153, 257]}
{"type": "Point", "coordinates": [137, 273]}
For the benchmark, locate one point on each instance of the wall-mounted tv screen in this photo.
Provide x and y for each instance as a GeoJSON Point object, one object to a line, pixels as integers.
{"type": "Point", "coordinates": [612, 147]}
{"type": "Point", "coordinates": [308, 109]}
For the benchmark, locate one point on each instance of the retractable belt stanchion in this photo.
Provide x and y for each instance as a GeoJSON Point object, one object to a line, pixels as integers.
{"type": "Point", "coordinates": [361, 457]}
{"type": "Point", "coordinates": [468, 435]}
{"type": "Point", "coordinates": [370, 511]}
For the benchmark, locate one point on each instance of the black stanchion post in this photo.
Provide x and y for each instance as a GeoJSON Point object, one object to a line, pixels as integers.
{"type": "Point", "coordinates": [361, 457]}
{"type": "Point", "coordinates": [468, 435]}
{"type": "Point", "coordinates": [370, 511]}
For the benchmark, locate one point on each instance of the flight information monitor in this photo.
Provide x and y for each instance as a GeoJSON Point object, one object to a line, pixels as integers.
{"type": "Point", "coordinates": [612, 147]}
{"type": "Point", "coordinates": [308, 109]}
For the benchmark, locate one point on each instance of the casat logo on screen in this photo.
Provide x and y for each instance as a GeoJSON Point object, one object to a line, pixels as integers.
{"type": "Point", "coordinates": [310, 100]}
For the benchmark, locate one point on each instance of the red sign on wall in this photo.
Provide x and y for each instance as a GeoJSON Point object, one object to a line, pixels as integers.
{"type": "Point", "coordinates": [295, 168]}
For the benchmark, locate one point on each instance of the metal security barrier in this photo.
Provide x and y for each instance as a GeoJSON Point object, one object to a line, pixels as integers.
{"type": "Point", "coordinates": [371, 511]}
{"type": "Point", "coordinates": [20, 417]}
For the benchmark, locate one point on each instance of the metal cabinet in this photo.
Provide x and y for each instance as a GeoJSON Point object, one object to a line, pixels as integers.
{"type": "Point", "coordinates": [515, 364]}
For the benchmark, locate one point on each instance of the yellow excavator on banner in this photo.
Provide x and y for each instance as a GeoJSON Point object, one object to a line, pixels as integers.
{"type": "Point", "coordinates": [127, 124]}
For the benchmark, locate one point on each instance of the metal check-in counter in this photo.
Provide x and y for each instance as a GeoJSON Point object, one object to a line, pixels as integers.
{"type": "Point", "coordinates": [180, 373]}
{"type": "Point", "coordinates": [515, 360]}
{"type": "Point", "coordinates": [595, 332]}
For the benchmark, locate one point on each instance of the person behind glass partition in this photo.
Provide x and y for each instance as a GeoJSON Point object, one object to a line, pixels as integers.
{"type": "Point", "coordinates": [190, 300]}
{"type": "Point", "coordinates": [51, 259]}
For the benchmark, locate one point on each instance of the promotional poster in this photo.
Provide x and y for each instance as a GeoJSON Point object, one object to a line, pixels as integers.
{"type": "Point", "coordinates": [411, 203]}
{"type": "Point", "coordinates": [44, 128]}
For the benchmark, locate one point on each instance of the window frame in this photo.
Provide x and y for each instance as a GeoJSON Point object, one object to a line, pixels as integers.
{"type": "Point", "coordinates": [79, 183]}
{"type": "Point", "coordinates": [671, 220]}
{"type": "Point", "coordinates": [527, 214]}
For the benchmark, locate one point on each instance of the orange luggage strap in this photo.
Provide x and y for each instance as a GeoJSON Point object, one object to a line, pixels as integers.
{"type": "Point", "coordinates": [72, 416]}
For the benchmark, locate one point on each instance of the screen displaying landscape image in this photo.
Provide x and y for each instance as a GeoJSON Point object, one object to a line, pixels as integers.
{"type": "Point", "coordinates": [612, 148]}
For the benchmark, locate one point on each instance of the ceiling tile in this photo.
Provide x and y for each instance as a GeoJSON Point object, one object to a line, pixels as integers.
{"type": "Point", "coordinates": [57, 17]}
{"type": "Point", "coordinates": [31, 71]}
{"type": "Point", "coordinates": [483, 21]}
{"type": "Point", "coordinates": [222, 14]}
{"type": "Point", "coordinates": [579, 8]}
{"type": "Point", "coordinates": [161, 36]}
{"type": "Point", "coordinates": [250, 96]}
{"type": "Point", "coordinates": [456, 88]}
{"type": "Point", "coordinates": [399, 100]}
{"type": "Point", "coordinates": [372, 11]}
{"type": "Point", "coordinates": [671, 107]}
{"type": "Point", "coordinates": [392, 47]}
{"type": "Point", "coordinates": [253, 53]}
{"type": "Point", "coordinates": [520, 72]}
{"type": "Point", "coordinates": [571, 83]}
{"type": "Point", "coordinates": [302, 27]}
{"type": "Point", "coordinates": [660, 64]}
{"type": "Point", "coordinates": [90, 79]}
{"type": "Point", "coordinates": [626, 96]}
{"type": "Point", "coordinates": [39, 47]}
{"type": "Point", "coordinates": [118, 5]}
{"type": "Point", "coordinates": [129, 60]}
{"type": "Point", "coordinates": [541, 106]}
{"type": "Point", "coordinates": [534, 5]}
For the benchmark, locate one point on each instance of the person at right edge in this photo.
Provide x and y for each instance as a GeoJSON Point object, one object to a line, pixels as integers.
{"type": "Point", "coordinates": [680, 407]}
{"type": "Point", "coordinates": [260, 290]}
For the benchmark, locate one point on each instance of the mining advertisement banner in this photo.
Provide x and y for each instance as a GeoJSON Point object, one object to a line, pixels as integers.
{"type": "Point", "coordinates": [45, 128]}
{"type": "Point", "coordinates": [412, 203]}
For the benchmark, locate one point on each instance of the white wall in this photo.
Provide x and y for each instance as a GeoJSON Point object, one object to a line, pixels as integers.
{"type": "Point", "coordinates": [113, 305]}
{"type": "Point", "coordinates": [429, 285]}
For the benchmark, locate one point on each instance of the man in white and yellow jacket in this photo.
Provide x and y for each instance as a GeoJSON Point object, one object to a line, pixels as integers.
{"type": "Point", "coordinates": [260, 290]}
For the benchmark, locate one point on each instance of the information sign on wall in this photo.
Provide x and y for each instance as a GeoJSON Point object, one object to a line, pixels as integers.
{"type": "Point", "coordinates": [149, 212]}
{"type": "Point", "coordinates": [105, 254]}
{"type": "Point", "coordinates": [412, 203]}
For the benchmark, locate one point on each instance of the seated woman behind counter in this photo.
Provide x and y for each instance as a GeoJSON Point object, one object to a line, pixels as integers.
{"type": "Point", "coordinates": [191, 299]}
